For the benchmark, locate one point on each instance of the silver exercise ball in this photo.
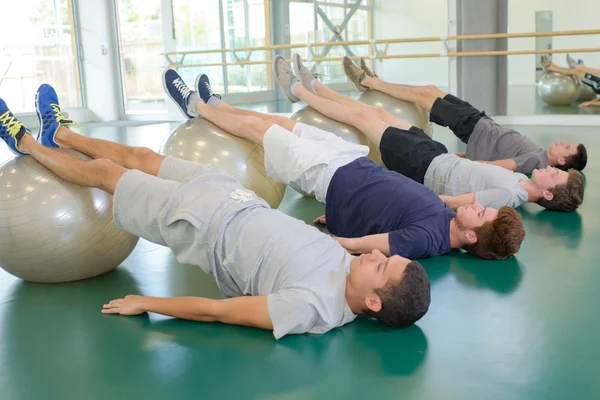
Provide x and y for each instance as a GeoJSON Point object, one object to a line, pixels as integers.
{"type": "Point", "coordinates": [558, 89]}
{"type": "Point", "coordinates": [405, 110]}
{"type": "Point", "coordinates": [200, 141]}
{"type": "Point", "coordinates": [586, 93]}
{"type": "Point", "coordinates": [310, 116]}
{"type": "Point", "coordinates": [55, 231]}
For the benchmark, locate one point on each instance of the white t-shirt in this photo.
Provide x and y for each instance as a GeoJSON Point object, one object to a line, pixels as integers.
{"type": "Point", "coordinates": [493, 186]}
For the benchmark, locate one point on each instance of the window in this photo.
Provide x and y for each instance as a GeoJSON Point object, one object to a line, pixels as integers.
{"type": "Point", "coordinates": [42, 49]}
{"type": "Point", "coordinates": [141, 43]}
{"type": "Point", "coordinates": [216, 24]}
{"type": "Point", "coordinates": [308, 25]}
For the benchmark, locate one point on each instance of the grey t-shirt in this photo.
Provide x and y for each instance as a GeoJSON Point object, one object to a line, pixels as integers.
{"type": "Point", "coordinates": [491, 141]}
{"type": "Point", "coordinates": [303, 270]}
{"type": "Point", "coordinates": [493, 186]}
{"type": "Point", "coordinates": [259, 251]}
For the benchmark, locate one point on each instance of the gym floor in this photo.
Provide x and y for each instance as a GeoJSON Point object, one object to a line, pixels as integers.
{"type": "Point", "coordinates": [522, 328]}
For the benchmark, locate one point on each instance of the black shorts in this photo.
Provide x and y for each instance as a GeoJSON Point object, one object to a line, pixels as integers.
{"type": "Point", "coordinates": [409, 152]}
{"type": "Point", "coordinates": [458, 115]}
{"type": "Point", "coordinates": [593, 81]}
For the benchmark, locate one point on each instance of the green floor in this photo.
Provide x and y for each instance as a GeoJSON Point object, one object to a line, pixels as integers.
{"type": "Point", "coordinates": [523, 328]}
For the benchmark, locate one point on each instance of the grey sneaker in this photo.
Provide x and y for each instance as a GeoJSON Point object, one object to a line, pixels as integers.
{"type": "Point", "coordinates": [364, 67]}
{"type": "Point", "coordinates": [354, 74]}
{"type": "Point", "coordinates": [545, 63]}
{"type": "Point", "coordinates": [302, 72]}
{"type": "Point", "coordinates": [285, 77]}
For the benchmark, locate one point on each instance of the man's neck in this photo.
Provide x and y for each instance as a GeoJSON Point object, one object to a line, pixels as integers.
{"type": "Point", "coordinates": [551, 161]}
{"type": "Point", "coordinates": [456, 239]}
{"type": "Point", "coordinates": [355, 304]}
{"type": "Point", "coordinates": [533, 193]}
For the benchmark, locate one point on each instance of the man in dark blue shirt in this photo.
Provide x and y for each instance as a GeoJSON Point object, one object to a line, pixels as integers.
{"type": "Point", "coordinates": [368, 207]}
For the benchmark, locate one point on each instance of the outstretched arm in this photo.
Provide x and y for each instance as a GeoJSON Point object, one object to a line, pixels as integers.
{"type": "Point", "coordinates": [455, 202]}
{"type": "Point", "coordinates": [366, 244]}
{"type": "Point", "coordinates": [509, 164]}
{"type": "Point", "coordinates": [248, 311]}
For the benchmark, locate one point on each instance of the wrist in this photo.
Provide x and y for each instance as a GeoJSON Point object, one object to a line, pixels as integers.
{"type": "Point", "coordinates": [144, 303]}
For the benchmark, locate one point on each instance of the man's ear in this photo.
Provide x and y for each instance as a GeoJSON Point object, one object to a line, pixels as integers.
{"type": "Point", "coordinates": [373, 302]}
{"type": "Point", "coordinates": [547, 195]}
{"type": "Point", "coordinates": [471, 236]}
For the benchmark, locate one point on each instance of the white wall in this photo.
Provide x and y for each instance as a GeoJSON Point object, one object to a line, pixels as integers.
{"type": "Point", "coordinates": [412, 18]}
{"type": "Point", "coordinates": [566, 15]}
{"type": "Point", "coordinates": [101, 75]}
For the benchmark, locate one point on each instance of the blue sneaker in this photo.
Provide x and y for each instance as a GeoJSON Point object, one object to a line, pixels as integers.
{"type": "Point", "coordinates": [11, 130]}
{"type": "Point", "coordinates": [49, 115]}
{"type": "Point", "coordinates": [204, 89]}
{"type": "Point", "coordinates": [180, 93]}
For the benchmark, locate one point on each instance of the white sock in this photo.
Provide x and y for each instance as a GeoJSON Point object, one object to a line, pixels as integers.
{"type": "Point", "coordinates": [293, 86]}
{"type": "Point", "coordinates": [191, 103]}
{"type": "Point", "coordinates": [214, 101]}
{"type": "Point", "coordinates": [312, 87]}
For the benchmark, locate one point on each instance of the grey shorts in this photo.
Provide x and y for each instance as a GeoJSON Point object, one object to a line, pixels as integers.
{"type": "Point", "coordinates": [185, 208]}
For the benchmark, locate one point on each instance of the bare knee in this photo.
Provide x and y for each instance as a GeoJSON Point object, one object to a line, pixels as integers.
{"type": "Point", "coordinates": [380, 112]}
{"type": "Point", "coordinates": [141, 152]}
{"type": "Point", "coordinates": [434, 91]}
{"type": "Point", "coordinates": [257, 127]}
{"type": "Point", "coordinates": [101, 166]}
{"type": "Point", "coordinates": [104, 174]}
{"type": "Point", "coordinates": [361, 114]}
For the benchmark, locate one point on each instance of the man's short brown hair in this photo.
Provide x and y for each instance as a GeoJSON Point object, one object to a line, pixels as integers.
{"type": "Point", "coordinates": [500, 238]}
{"type": "Point", "coordinates": [566, 197]}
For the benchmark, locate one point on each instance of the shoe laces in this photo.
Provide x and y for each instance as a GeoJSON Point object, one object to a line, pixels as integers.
{"type": "Point", "coordinates": [10, 124]}
{"type": "Point", "coordinates": [181, 87]}
{"type": "Point", "coordinates": [209, 88]}
{"type": "Point", "coordinates": [55, 114]}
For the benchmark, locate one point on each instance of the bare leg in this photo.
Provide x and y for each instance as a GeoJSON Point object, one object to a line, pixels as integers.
{"type": "Point", "coordinates": [592, 71]}
{"type": "Point", "coordinates": [323, 91]}
{"type": "Point", "coordinates": [424, 96]}
{"type": "Point", "coordinates": [567, 71]}
{"type": "Point", "coordinates": [139, 158]}
{"type": "Point", "coordinates": [248, 127]}
{"type": "Point", "coordinates": [361, 118]}
{"type": "Point", "coordinates": [275, 119]}
{"type": "Point", "coordinates": [101, 173]}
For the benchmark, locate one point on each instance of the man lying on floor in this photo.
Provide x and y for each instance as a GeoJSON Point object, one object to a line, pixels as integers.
{"type": "Point", "coordinates": [409, 151]}
{"type": "Point", "coordinates": [368, 207]}
{"type": "Point", "coordinates": [486, 140]}
{"type": "Point", "coordinates": [276, 272]}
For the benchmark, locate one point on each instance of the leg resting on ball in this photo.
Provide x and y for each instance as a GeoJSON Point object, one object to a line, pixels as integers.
{"type": "Point", "coordinates": [139, 158]}
{"type": "Point", "coordinates": [100, 173]}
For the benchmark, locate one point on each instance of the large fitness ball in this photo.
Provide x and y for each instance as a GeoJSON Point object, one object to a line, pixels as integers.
{"type": "Point", "coordinates": [200, 141]}
{"type": "Point", "coordinates": [55, 231]}
{"type": "Point", "coordinates": [558, 89]}
{"type": "Point", "coordinates": [405, 110]}
{"type": "Point", "coordinates": [310, 116]}
{"type": "Point", "coordinates": [586, 93]}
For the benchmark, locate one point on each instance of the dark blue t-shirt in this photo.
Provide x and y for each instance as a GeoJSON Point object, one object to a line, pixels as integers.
{"type": "Point", "coordinates": [364, 198]}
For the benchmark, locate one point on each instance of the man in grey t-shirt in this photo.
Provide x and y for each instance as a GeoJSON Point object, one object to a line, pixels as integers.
{"type": "Point", "coordinates": [486, 140]}
{"type": "Point", "coordinates": [277, 272]}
